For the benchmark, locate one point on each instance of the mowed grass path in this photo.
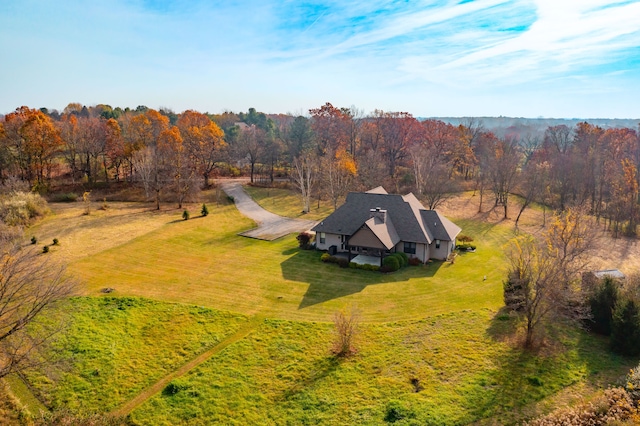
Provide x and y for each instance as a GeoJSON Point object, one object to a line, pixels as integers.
{"type": "Point", "coordinates": [204, 262]}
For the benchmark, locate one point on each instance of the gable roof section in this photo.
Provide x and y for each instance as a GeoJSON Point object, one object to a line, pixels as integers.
{"type": "Point", "coordinates": [350, 216]}
{"type": "Point", "coordinates": [441, 228]}
{"type": "Point", "coordinates": [385, 232]}
{"type": "Point", "coordinates": [377, 190]}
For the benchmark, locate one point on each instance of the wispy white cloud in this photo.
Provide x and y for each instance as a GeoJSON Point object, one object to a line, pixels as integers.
{"type": "Point", "coordinates": [287, 55]}
{"type": "Point", "coordinates": [566, 37]}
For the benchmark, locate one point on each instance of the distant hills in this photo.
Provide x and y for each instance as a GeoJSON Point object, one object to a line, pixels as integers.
{"type": "Point", "coordinates": [535, 127]}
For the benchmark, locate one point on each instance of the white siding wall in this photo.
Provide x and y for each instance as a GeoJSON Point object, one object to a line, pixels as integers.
{"type": "Point", "coordinates": [441, 253]}
{"type": "Point", "coordinates": [422, 252]}
{"type": "Point", "coordinates": [330, 240]}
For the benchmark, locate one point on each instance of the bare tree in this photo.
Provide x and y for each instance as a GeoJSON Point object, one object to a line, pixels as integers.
{"type": "Point", "coordinates": [533, 185]}
{"type": "Point", "coordinates": [503, 169]}
{"type": "Point", "coordinates": [305, 175]}
{"type": "Point", "coordinates": [432, 175]}
{"type": "Point", "coordinates": [346, 331]}
{"type": "Point", "coordinates": [31, 288]}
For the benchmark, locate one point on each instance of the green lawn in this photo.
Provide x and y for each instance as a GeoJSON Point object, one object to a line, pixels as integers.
{"type": "Point", "coordinates": [286, 202]}
{"type": "Point", "coordinates": [203, 261]}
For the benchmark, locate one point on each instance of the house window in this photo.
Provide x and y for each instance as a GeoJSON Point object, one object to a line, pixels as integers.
{"type": "Point", "coordinates": [410, 248]}
{"type": "Point", "coordinates": [437, 244]}
{"type": "Point", "coordinates": [323, 237]}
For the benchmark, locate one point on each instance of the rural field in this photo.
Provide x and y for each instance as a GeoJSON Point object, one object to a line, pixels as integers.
{"type": "Point", "coordinates": [206, 326]}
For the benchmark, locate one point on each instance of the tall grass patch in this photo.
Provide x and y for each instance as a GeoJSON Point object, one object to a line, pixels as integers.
{"type": "Point", "coordinates": [115, 347]}
{"type": "Point", "coordinates": [21, 208]}
{"type": "Point", "coordinates": [446, 370]}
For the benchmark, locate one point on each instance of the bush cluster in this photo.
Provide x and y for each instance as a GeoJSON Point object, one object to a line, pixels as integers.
{"type": "Point", "coordinates": [464, 238]}
{"type": "Point", "coordinates": [614, 407]}
{"type": "Point", "coordinates": [344, 263]}
{"type": "Point", "coordinates": [414, 261]}
{"type": "Point", "coordinates": [66, 197]}
{"type": "Point", "coordinates": [304, 240]}
{"type": "Point", "coordinates": [20, 208]}
{"type": "Point", "coordinates": [327, 258]}
{"type": "Point", "coordinates": [394, 261]}
{"type": "Point", "coordinates": [616, 314]}
{"type": "Point", "coordinates": [390, 264]}
{"type": "Point", "coordinates": [466, 247]}
{"type": "Point", "coordinates": [365, 266]}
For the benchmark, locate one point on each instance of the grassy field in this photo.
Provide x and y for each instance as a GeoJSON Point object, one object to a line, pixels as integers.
{"type": "Point", "coordinates": [453, 368]}
{"type": "Point", "coordinates": [115, 347]}
{"type": "Point", "coordinates": [434, 347]}
{"type": "Point", "coordinates": [203, 261]}
{"type": "Point", "coordinates": [445, 370]}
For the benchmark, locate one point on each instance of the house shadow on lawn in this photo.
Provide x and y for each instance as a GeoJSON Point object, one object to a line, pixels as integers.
{"type": "Point", "coordinates": [328, 281]}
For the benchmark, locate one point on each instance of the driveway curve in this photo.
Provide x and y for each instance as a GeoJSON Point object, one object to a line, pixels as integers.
{"type": "Point", "coordinates": [270, 225]}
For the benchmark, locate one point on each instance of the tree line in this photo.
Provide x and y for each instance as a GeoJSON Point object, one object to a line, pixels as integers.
{"type": "Point", "coordinates": [328, 153]}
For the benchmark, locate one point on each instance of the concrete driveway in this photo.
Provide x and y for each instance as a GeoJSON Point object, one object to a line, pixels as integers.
{"type": "Point", "coordinates": [270, 225]}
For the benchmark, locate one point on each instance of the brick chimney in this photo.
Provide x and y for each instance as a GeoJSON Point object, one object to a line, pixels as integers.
{"type": "Point", "coordinates": [379, 214]}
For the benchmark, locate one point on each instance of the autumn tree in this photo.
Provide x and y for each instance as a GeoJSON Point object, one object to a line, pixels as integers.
{"type": "Point", "coordinates": [150, 162]}
{"type": "Point", "coordinates": [92, 146]}
{"type": "Point", "coordinates": [329, 129]}
{"type": "Point", "coordinates": [338, 174]}
{"type": "Point", "coordinates": [398, 131]}
{"type": "Point", "coordinates": [541, 282]}
{"type": "Point", "coordinates": [115, 150]}
{"type": "Point", "coordinates": [33, 141]}
{"type": "Point", "coordinates": [71, 135]}
{"type": "Point", "coordinates": [176, 163]}
{"type": "Point", "coordinates": [204, 141]}
{"type": "Point", "coordinates": [503, 165]}
{"type": "Point", "coordinates": [431, 160]}
{"type": "Point", "coordinates": [557, 145]}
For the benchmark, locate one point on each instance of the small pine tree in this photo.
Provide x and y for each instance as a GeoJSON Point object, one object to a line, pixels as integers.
{"type": "Point", "coordinates": [185, 215]}
{"type": "Point", "coordinates": [205, 210]}
{"type": "Point", "coordinates": [625, 328]}
{"type": "Point", "coordinates": [34, 240]}
{"type": "Point", "coordinates": [45, 249]}
{"type": "Point", "coordinates": [602, 303]}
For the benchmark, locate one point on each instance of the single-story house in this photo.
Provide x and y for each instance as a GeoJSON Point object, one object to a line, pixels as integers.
{"type": "Point", "coordinates": [375, 223]}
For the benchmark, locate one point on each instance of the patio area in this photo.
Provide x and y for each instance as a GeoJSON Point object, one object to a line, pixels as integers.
{"type": "Point", "coordinates": [361, 259]}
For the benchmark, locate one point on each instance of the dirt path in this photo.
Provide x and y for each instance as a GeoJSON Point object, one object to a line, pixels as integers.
{"type": "Point", "coordinates": [157, 387]}
{"type": "Point", "coordinates": [270, 225]}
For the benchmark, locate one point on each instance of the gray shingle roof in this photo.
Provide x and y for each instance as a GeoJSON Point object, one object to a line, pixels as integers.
{"type": "Point", "coordinates": [440, 227]}
{"type": "Point", "coordinates": [407, 215]}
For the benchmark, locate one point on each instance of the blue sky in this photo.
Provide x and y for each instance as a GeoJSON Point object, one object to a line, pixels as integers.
{"type": "Point", "coordinates": [550, 58]}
